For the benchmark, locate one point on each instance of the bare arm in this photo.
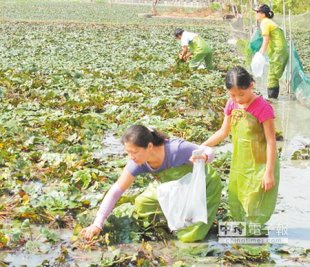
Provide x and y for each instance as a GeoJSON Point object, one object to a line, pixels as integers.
{"type": "Point", "coordinates": [184, 52]}
{"type": "Point", "coordinates": [264, 47]}
{"type": "Point", "coordinates": [268, 179]}
{"type": "Point", "coordinates": [220, 135]}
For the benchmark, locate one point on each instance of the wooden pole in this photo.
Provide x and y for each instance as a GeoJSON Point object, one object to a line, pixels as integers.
{"type": "Point", "coordinates": [290, 54]}
{"type": "Point", "coordinates": [242, 14]}
{"type": "Point", "coordinates": [251, 22]}
{"type": "Point", "coordinates": [284, 18]}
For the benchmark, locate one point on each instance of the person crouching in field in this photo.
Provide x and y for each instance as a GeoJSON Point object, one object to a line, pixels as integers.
{"type": "Point", "coordinates": [195, 50]}
{"type": "Point", "coordinates": [151, 151]}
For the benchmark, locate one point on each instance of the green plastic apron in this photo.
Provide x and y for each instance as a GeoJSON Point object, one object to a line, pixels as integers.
{"type": "Point", "coordinates": [202, 53]}
{"type": "Point", "coordinates": [247, 201]}
{"type": "Point", "coordinates": [277, 52]}
{"type": "Point", "coordinates": [147, 206]}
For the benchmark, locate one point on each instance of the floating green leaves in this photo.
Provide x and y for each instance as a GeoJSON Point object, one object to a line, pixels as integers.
{"type": "Point", "coordinates": [49, 235]}
{"type": "Point", "coordinates": [245, 254]}
{"type": "Point", "coordinates": [302, 153]}
{"type": "Point", "coordinates": [3, 240]}
{"type": "Point", "coordinates": [65, 85]}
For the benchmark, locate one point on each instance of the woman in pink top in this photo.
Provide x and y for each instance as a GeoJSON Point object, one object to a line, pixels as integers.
{"type": "Point", "coordinates": [254, 173]}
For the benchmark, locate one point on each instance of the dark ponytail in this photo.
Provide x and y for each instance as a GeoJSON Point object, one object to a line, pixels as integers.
{"type": "Point", "coordinates": [141, 136]}
{"type": "Point", "coordinates": [238, 77]}
{"type": "Point", "coordinates": [266, 10]}
{"type": "Point", "coordinates": [270, 15]}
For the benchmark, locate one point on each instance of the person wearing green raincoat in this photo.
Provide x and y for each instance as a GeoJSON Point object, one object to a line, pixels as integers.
{"type": "Point", "coordinates": [254, 172]}
{"type": "Point", "coordinates": [167, 159]}
{"type": "Point", "coordinates": [275, 45]}
{"type": "Point", "coordinates": [195, 50]}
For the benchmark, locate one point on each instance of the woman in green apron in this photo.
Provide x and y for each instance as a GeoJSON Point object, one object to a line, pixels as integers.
{"type": "Point", "coordinates": [254, 173]}
{"type": "Point", "coordinates": [195, 50]}
{"type": "Point", "coordinates": [167, 159]}
{"type": "Point", "coordinates": [275, 45]}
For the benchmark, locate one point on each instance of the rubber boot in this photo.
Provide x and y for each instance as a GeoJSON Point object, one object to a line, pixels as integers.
{"type": "Point", "coordinates": [273, 92]}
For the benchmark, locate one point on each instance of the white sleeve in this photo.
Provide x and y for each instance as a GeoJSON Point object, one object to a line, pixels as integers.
{"type": "Point", "coordinates": [184, 39]}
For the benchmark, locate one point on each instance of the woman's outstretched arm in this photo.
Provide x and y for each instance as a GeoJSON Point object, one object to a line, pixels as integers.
{"type": "Point", "coordinates": [108, 203]}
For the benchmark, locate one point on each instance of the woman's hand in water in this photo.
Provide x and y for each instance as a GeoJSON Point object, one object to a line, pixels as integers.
{"type": "Point", "coordinates": [268, 181]}
{"type": "Point", "coordinates": [90, 232]}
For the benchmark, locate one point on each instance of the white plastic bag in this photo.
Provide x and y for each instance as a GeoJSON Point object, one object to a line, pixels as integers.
{"type": "Point", "coordinates": [258, 64]}
{"type": "Point", "coordinates": [184, 201]}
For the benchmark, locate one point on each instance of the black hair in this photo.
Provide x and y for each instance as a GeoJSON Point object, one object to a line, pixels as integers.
{"type": "Point", "coordinates": [266, 10]}
{"type": "Point", "coordinates": [178, 32]}
{"type": "Point", "coordinates": [141, 136]}
{"type": "Point", "coordinates": [238, 77]}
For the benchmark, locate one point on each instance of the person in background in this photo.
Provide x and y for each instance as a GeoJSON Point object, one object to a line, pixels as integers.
{"type": "Point", "coordinates": [274, 44]}
{"type": "Point", "coordinates": [150, 151]}
{"type": "Point", "coordinates": [195, 50]}
{"type": "Point", "coordinates": [254, 172]}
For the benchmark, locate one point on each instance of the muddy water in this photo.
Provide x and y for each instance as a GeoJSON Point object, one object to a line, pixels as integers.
{"type": "Point", "coordinates": [111, 146]}
{"type": "Point", "coordinates": [293, 208]}
{"type": "Point", "coordinates": [47, 252]}
{"type": "Point", "coordinates": [292, 211]}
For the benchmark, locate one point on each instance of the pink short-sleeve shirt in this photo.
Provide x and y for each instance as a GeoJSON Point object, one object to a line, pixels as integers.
{"type": "Point", "coordinates": [259, 108]}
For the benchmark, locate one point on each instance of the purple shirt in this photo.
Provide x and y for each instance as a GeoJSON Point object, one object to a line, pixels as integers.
{"type": "Point", "coordinates": [177, 153]}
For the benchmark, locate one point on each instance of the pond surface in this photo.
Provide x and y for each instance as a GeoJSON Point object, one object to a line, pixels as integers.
{"type": "Point", "coordinates": [292, 210]}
